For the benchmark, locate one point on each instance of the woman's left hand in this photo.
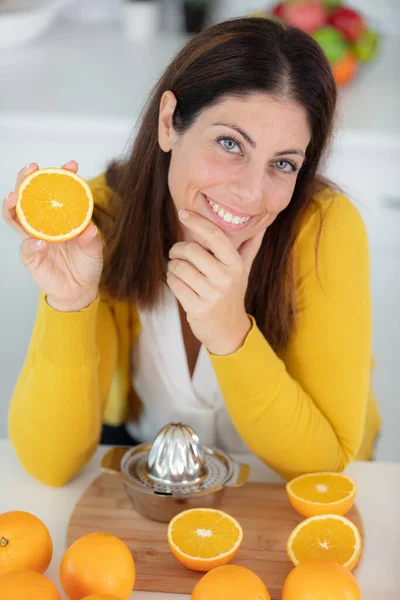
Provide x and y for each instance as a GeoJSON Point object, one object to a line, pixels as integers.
{"type": "Point", "coordinates": [210, 282]}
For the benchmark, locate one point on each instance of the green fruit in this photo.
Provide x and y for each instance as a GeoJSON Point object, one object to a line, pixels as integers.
{"type": "Point", "coordinates": [331, 4]}
{"type": "Point", "coordinates": [366, 46]}
{"type": "Point", "coordinates": [332, 43]}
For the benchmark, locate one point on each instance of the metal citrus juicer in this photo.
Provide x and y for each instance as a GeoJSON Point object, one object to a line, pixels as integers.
{"type": "Point", "coordinates": [174, 473]}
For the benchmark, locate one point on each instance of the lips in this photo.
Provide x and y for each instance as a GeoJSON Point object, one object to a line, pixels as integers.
{"type": "Point", "coordinates": [227, 216]}
{"type": "Point", "coordinates": [227, 209]}
{"type": "Point", "coordinates": [230, 221]}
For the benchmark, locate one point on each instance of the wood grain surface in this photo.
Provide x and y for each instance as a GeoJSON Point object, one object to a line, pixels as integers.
{"type": "Point", "coordinates": [262, 509]}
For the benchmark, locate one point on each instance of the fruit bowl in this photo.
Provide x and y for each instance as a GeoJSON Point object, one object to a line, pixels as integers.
{"type": "Point", "coordinates": [341, 31]}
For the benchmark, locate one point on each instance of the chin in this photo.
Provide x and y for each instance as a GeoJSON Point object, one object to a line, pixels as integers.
{"type": "Point", "coordinates": [239, 239]}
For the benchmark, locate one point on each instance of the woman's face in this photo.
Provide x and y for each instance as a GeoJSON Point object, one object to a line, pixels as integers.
{"type": "Point", "coordinates": [237, 164]}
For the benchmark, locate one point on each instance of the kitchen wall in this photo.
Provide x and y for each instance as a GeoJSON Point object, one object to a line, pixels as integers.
{"type": "Point", "coordinates": [76, 93]}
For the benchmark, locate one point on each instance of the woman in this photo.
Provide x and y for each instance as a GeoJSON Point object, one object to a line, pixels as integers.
{"type": "Point", "coordinates": [234, 293]}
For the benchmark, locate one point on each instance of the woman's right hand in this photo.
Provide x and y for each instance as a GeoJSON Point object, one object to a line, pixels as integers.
{"type": "Point", "coordinates": [67, 272]}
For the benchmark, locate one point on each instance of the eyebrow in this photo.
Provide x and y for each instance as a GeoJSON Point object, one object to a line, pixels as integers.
{"type": "Point", "coordinates": [252, 142]}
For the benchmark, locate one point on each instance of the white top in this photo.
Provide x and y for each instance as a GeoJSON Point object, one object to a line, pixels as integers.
{"type": "Point", "coordinates": [162, 381]}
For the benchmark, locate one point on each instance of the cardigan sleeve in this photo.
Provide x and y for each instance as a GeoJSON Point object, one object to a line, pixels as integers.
{"type": "Point", "coordinates": [56, 410]}
{"type": "Point", "coordinates": [304, 410]}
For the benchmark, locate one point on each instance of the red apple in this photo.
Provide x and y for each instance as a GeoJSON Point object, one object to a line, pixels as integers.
{"type": "Point", "coordinates": [278, 10]}
{"type": "Point", "coordinates": [307, 15]}
{"type": "Point", "coordinates": [348, 21]}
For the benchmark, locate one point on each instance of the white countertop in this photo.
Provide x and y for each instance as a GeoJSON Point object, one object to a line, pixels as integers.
{"type": "Point", "coordinates": [378, 501]}
{"type": "Point", "coordinates": [93, 72]}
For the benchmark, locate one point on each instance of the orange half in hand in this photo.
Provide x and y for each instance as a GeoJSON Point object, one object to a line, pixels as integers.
{"type": "Point", "coordinates": [54, 204]}
{"type": "Point", "coordinates": [204, 538]}
{"type": "Point", "coordinates": [321, 494]}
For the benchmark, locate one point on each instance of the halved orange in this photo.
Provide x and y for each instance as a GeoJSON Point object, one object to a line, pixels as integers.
{"type": "Point", "coordinates": [204, 538]}
{"type": "Point", "coordinates": [321, 494]}
{"type": "Point", "coordinates": [328, 537]}
{"type": "Point", "coordinates": [54, 204]}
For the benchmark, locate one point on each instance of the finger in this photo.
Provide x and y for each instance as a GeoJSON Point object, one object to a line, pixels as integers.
{"type": "Point", "coordinates": [199, 257]}
{"type": "Point", "coordinates": [71, 165]}
{"type": "Point", "coordinates": [24, 173]}
{"type": "Point", "coordinates": [184, 294]}
{"type": "Point", "coordinates": [9, 214]}
{"type": "Point", "coordinates": [32, 252]}
{"type": "Point", "coordinates": [191, 276]}
{"type": "Point", "coordinates": [212, 236]}
{"type": "Point", "coordinates": [90, 242]}
{"type": "Point", "coordinates": [249, 250]}
{"type": "Point", "coordinates": [9, 203]}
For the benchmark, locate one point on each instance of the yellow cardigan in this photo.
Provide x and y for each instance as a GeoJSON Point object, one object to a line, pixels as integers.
{"type": "Point", "coordinates": [310, 408]}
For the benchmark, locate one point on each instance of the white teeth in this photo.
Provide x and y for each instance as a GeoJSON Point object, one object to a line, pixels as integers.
{"type": "Point", "coordinates": [226, 216]}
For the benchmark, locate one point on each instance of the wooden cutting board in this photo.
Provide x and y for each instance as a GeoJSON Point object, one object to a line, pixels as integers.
{"type": "Point", "coordinates": [262, 509]}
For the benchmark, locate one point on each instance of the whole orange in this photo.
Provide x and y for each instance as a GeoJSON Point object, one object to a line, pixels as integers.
{"type": "Point", "coordinates": [21, 585]}
{"type": "Point", "coordinates": [97, 563]}
{"type": "Point", "coordinates": [320, 580]}
{"type": "Point", "coordinates": [25, 542]}
{"type": "Point", "coordinates": [345, 69]}
{"type": "Point", "coordinates": [230, 582]}
{"type": "Point", "coordinates": [101, 597]}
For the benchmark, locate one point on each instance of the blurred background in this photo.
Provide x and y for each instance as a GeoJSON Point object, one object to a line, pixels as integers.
{"type": "Point", "coordinates": [74, 75]}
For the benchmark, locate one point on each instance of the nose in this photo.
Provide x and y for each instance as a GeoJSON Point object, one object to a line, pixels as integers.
{"type": "Point", "coordinates": [248, 184]}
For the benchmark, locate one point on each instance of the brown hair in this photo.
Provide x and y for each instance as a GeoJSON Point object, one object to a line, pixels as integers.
{"type": "Point", "coordinates": [234, 58]}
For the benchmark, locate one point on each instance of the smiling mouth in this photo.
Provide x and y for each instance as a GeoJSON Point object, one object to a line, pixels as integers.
{"type": "Point", "coordinates": [227, 216]}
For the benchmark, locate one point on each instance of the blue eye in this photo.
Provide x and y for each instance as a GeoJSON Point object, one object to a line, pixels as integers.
{"type": "Point", "coordinates": [292, 166]}
{"type": "Point", "coordinates": [228, 143]}
{"type": "Point", "coordinates": [233, 146]}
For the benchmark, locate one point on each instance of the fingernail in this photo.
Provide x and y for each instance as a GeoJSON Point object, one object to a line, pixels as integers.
{"type": "Point", "coordinates": [31, 165]}
{"type": "Point", "coordinates": [38, 242]}
{"type": "Point", "coordinates": [9, 196]}
{"type": "Point", "coordinates": [95, 231]}
{"type": "Point", "coordinates": [183, 214]}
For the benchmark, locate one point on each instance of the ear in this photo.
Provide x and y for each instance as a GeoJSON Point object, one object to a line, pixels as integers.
{"type": "Point", "coordinates": [166, 132]}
